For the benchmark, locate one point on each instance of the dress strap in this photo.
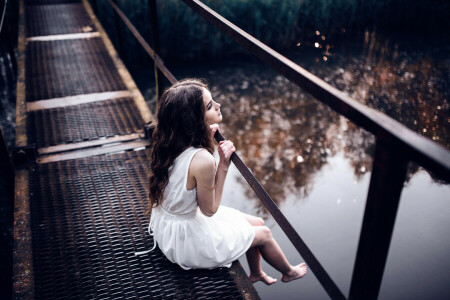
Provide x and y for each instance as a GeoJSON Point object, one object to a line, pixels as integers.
{"type": "Point", "coordinates": [150, 231]}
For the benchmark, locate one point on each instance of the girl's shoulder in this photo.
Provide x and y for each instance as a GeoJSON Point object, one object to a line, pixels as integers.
{"type": "Point", "coordinates": [203, 154]}
{"type": "Point", "coordinates": [203, 160]}
{"type": "Point", "coordinates": [203, 168]}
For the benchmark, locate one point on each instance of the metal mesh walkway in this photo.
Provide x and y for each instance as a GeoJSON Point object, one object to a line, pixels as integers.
{"type": "Point", "coordinates": [69, 67]}
{"type": "Point", "coordinates": [88, 219]}
{"type": "Point", "coordinates": [83, 122]}
{"type": "Point", "coordinates": [82, 203]}
{"type": "Point", "coordinates": [54, 19]}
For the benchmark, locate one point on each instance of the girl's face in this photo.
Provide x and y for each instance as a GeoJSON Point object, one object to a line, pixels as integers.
{"type": "Point", "coordinates": [212, 109]}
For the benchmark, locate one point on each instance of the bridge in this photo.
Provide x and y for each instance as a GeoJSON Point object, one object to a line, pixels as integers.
{"type": "Point", "coordinates": [80, 167]}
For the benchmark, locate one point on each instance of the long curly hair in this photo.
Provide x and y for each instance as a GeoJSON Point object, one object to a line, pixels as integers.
{"type": "Point", "coordinates": [181, 124]}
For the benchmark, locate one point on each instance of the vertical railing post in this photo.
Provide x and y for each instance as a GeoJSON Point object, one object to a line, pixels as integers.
{"type": "Point", "coordinates": [118, 34]}
{"type": "Point", "coordinates": [390, 165]}
{"type": "Point", "coordinates": [154, 29]}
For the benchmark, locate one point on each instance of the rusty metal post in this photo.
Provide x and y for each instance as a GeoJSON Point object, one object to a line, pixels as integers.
{"type": "Point", "coordinates": [390, 165]}
{"type": "Point", "coordinates": [154, 29]}
{"type": "Point", "coordinates": [6, 167]}
{"type": "Point", "coordinates": [118, 34]}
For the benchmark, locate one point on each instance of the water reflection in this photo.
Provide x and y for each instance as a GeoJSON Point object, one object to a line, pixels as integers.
{"type": "Point", "coordinates": [410, 86]}
{"type": "Point", "coordinates": [280, 143]}
{"type": "Point", "coordinates": [286, 137]}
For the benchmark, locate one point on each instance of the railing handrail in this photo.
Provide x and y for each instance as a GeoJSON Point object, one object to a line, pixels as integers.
{"type": "Point", "coordinates": [396, 144]}
{"type": "Point", "coordinates": [158, 61]}
{"type": "Point", "coordinates": [425, 152]}
{"type": "Point", "coordinates": [313, 263]}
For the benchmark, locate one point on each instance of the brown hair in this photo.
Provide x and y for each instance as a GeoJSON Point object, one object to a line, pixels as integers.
{"type": "Point", "coordinates": [181, 124]}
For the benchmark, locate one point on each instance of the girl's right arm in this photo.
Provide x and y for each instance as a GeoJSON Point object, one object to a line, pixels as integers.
{"type": "Point", "coordinates": [210, 181]}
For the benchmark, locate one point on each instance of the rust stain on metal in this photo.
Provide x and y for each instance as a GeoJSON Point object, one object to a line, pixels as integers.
{"type": "Point", "coordinates": [21, 109]}
{"type": "Point", "coordinates": [244, 284]}
{"type": "Point", "coordinates": [23, 280]}
{"type": "Point", "coordinates": [23, 275]}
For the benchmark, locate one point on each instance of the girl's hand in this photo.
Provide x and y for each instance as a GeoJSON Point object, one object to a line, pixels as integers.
{"type": "Point", "coordinates": [226, 149]}
{"type": "Point", "coordinates": [214, 128]}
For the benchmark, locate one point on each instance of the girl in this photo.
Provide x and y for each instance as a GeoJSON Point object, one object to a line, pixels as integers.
{"type": "Point", "coordinates": [187, 222]}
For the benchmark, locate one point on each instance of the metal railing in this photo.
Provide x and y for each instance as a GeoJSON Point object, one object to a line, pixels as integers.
{"type": "Point", "coordinates": [396, 146]}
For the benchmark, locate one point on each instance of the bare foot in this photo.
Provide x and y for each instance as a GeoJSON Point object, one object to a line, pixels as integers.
{"type": "Point", "coordinates": [262, 277]}
{"type": "Point", "coordinates": [296, 273]}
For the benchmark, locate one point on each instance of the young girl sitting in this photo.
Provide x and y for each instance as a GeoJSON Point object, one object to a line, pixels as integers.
{"type": "Point", "coordinates": [187, 221]}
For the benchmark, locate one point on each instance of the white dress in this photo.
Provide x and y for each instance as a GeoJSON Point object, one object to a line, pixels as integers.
{"type": "Point", "coordinates": [189, 238]}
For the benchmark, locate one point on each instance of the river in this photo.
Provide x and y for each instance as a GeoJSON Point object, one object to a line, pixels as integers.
{"type": "Point", "coordinates": [316, 165]}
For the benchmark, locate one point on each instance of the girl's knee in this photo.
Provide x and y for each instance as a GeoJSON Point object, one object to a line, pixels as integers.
{"type": "Point", "coordinates": [254, 221]}
{"type": "Point", "coordinates": [267, 233]}
{"type": "Point", "coordinates": [263, 234]}
{"type": "Point", "coordinates": [260, 221]}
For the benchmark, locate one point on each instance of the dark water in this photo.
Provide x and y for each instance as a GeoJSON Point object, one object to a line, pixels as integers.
{"type": "Point", "coordinates": [317, 165]}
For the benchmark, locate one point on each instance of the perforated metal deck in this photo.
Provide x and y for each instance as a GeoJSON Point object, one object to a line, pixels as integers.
{"type": "Point", "coordinates": [88, 219]}
{"type": "Point", "coordinates": [69, 67]}
{"type": "Point", "coordinates": [40, 2]}
{"type": "Point", "coordinates": [83, 122]}
{"type": "Point", "coordinates": [54, 19]}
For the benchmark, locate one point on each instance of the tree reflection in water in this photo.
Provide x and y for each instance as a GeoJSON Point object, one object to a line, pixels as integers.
{"type": "Point", "coordinates": [285, 136]}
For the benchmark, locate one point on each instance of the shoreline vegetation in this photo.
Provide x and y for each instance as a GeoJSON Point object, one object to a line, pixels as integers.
{"type": "Point", "coordinates": [187, 37]}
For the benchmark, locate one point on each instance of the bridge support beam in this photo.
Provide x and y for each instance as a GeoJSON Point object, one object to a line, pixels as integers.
{"type": "Point", "coordinates": [154, 29]}
{"type": "Point", "coordinates": [390, 165]}
{"type": "Point", "coordinates": [118, 33]}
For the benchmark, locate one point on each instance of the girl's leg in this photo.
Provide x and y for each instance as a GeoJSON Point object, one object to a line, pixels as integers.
{"type": "Point", "coordinates": [254, 263]}
{"type": "Point", "coordinates": [254, 256]}
{"type": "Point", "coordinates": [265, 244]}
{"type": "Point", "coordinates": [273, 254]}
